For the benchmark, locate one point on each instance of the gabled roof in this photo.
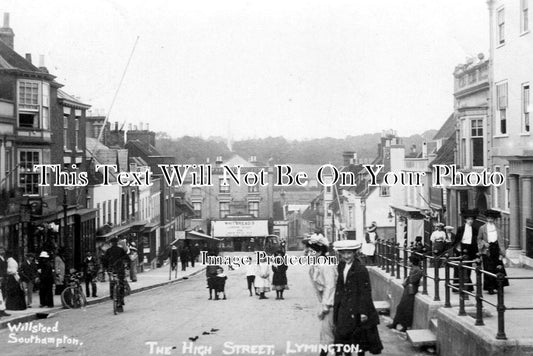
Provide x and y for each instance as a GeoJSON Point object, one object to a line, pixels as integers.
{"type": "Point", "coordinates": [447, 129]}
{"type": "Point", "coordinates": [445, 155]}
{"type": "Point", "coordinates": [70, 100]}
{"type": "Point", "coordinates": [12, 61]}
{"type": "Point", "coordinates": [145, 148]}
{"type": "Point", "coordinates": [237, 160]}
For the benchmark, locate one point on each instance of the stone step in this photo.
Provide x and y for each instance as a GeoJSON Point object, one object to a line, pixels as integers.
{"type": "Point", "coordinates": [382, 307]}
{"type": "Point", "coordinates": [434, 325]}
{"type": "Point", "coordinates": [421, 337]}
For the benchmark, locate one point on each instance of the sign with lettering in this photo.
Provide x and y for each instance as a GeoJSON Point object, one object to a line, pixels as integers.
{"type": "Point", "coordinates": [240, 228]}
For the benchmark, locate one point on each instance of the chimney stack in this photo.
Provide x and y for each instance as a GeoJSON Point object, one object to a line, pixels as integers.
{"type": "Point", "coordinates": [147, 127]}
{"type": "Point", "coordinates": [28, 57]}
{"type": "Point", "coordinates": [6, 33]}
{"type": "Point", "coordinates": [141, 125]}
{"type": "Point", "coordinates": [42, 67]}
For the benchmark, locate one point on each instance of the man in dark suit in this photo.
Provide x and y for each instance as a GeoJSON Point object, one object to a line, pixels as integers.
{"type": "Point", "coordinates": [465, 244]}
{"type": "Point", "coordinates": [3, 279]}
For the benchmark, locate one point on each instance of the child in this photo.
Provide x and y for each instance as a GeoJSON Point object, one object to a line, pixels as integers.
{"type": "Point", "coordinates": [279, 278]}
{"type": "Point", "coordinates": [250, 275]}
{"type": "Point", "coordinates": [220, 283]}
{"type": "Point", "coordinates": [262, 278]}
{"type": "Point", "coordinates": [211, 274]}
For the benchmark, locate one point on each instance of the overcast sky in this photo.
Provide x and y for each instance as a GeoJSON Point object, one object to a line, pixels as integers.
{"type": "Point", "coordinates": [257, 68]}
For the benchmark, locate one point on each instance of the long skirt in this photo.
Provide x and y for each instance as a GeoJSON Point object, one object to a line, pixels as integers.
{"type": "Point", "coordinates": [490, 264]}
{"type": "Point", "coordinates": [404, 310]}
{"type": "Point", "coordinates": [46, 295]}
{"type": "Point", "coordinates": [15, 298]}
{"type": "Point", "coordinates": [367, 339]}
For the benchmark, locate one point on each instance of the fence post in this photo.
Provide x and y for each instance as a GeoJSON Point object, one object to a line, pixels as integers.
{"type": "Point", "coordinates": [398, 261]}
{"type": "Point", "coordinates": [393, 259]}
{"type": "Point", "coordinates": [436, 280]}
{"type": "Point", "coordinates": [405, 258]}
{"type": "Point", "coordinates": [387, 256]}
{"type": "Point", "coordinates": [378, 248]}
{"type": "Point", "coordinates": [479, 296]}
{"type": "Point", "coordinates": [462, 311]}
{"type": "Point", "coordinates": [501, 307]}
{"type": "Point", "coordinates": [447, 303]}
{"type": "Point", "coordinates": [425, 278]}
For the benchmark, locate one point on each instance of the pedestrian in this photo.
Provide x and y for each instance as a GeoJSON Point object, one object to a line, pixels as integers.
{"type": "Point", "coordinates": [211, 272]}
{"type": "Point", "coordinates": [90, 272]}
{"type": "Point", "coordinates": [438, 241]}
{"type": "Point", "coordinates": [355, 316]}
{"type": "Point", "coordinates": [250, 275]}
{"type": "Point", "coordinates": [220, 283]}
{"type": "Point", "coordinates": [184, 257]}
{"type": "Point", "coordinates": [3, 278]}
{"type": "Point", "coordinates": [419, 246]}
{"type": "Point", "coordinates": [194, 253]}
{"type": "Point", "coordinates": [14, 294]}
{"type": "Point", "coordinates": [279, 275]}
{"type": "Point", "coordinates": [450, 238]}
{"type": "Point", "coordinates": [59, 267]}
{"type": "Point", "coordinates": [114, 260]}
{"type": "Point", "coordinates": [134, 261]}
{"type": "Point", "coordinates": [46, 280]}
{"type": "Point", "coordinates": [404, 310]}
{"type": "Point", "coordinates": [369, 246]}
{"type": "Point", "coordinates": [492, 249]}
{"type": "Point", "coordinates": [173, 257]}
{"type": "Point", "coordinates": [28, 277]}
{"type": "Point", "coordinates": [324, 278]}
{"type": "Point", "coordinates": [262, 278]}
{"type": "Point", "coordinates": [465, 246]}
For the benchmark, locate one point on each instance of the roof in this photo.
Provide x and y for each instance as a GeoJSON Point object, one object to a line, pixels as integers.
{"type": "Point", "coordinates": [446, 154]}
{"type": "Point", "coordinates": [12, 61]}
{"type": "Point", "coordinates": [106, 155]}
{"type": "Point", "coordinates": [69, 99]}
{"type": "Point", "coordinates": [447, 129]}
{"type": "Point", "coordinates": [144, 147]}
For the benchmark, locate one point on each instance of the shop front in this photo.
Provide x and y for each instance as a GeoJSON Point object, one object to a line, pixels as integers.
{"type": "Point", "coordinates": [240, 235]}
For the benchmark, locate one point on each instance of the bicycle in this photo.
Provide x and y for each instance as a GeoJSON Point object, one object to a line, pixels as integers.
{"type": "Point", "coordinates": [118, 302]}
{"type": "Point", "coordinates": [72, 296]}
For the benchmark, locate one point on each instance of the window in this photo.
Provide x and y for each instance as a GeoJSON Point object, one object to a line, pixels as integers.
{"type": "Point", "coordinates": [253, 208]}
{"type": "Point", "coordinates": [196, 191]}
{"type": "Point", "coordinates": [197, 206]}
{"type": "Point", "coordinates": [524, 19]}
{"type": "Point", "coordinates": [501, 90]}
{"type": "Point", "coordinates": [477, 142]}
{"type": "Point", "coordinates": [46, 106]}
{"type": "Point", "coordinates": [66, 114]}
{"type": "Point", "coordinates": [28, 178]}
{"type": "Point", "coordinates": [77, 134]}
{"type": "Point", "coordinates": [123, 207]}
{"type": "Point", "coordinates": [115, 206]}
{"type": "Point", "coordinates": [384, 191]}
{"type": "Point", "coordinates": [525, 108]}
{"type": "Point", "coordinates": [501, 26]}
{"type": "Point", "coordinates": [253, 188]}
{"type": "Point", "coordinates": [224, 188]}
{"type": "Point", "coordinates": [104, 211]}
{"type": "Point", "coordinates": [506, 197]}
{"type": "Point", "coordinates": [97, 215]}
{"type": "Point", "coordinates": [109, 211]}
{"type": "Point", "coordinates": [497, 190]}
{"type": "Point", "coordinates": [224, 209]}
{"type": "Point", "coordinates": [28, 104]}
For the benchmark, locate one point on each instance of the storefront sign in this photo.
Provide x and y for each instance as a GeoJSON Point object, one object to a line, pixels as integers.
{"type": "Point", "coordinates": [240, 228]}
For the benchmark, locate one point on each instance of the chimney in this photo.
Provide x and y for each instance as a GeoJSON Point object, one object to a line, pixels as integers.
{"type": "Point", "coordinates": [6, 33]}
{"type": "Point", "coordinates": [141, 125]}
{"type": "Point", "coordinates": [349, 157]}
{"type": "Point", "coordinates": [218, 161]}
{"type": "Point", "coordinates": [28, 57]}
{"type": "Point", "coordinates": [129, 127]}
{"type": "Point", "coordinates": [147, 127]}
{"type": "Point", "coordinates": [42, 68]}
{"type": "Point", "coordinates": [424, 150]}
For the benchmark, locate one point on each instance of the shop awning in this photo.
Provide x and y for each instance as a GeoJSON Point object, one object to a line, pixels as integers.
{"type": "Point", "coordinates": [195, 235]}
{"type": "Point", "coordinates": [408, 212]}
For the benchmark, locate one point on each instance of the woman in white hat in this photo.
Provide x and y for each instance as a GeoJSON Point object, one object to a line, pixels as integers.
{"type": "Point", "coordinates": [369, 246]}
{"type": "Point", "coordinates": [355, 316]}
{"type": "Point", "coordinates": [324, 279]}
{"type": "Point", "coordinates": [46, 280]}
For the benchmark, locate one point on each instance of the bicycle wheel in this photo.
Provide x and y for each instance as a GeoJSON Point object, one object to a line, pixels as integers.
{"type": "Point", "coordinates": [67, 298]}
{"type": "Point", "coordinates": [115, 298]}
{"type": "Point", "coordinates": [79, 298]}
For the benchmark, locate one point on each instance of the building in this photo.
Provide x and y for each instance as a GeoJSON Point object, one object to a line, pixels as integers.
{"type": "Point", "coordinates": [510, 142]}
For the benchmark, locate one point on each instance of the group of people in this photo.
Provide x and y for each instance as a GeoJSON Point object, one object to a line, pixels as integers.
{"type": "Point", "coordinates": [471, 243]}
{"type": "Point", "coordinates": [347, 314]}
{"type": "Point", "coordinates": [186, 254]}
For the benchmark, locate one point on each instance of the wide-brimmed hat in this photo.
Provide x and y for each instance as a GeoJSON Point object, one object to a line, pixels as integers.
{"type": "Point", "coordinates": [448, 227]}
{"type": "Point", "coordinates": [133, 244]}
{"type": "Point", "coordinates": [346, 245]}
{"type": "Point", "coordinates": [439, 224]}
{"type": "Point", "coordinates": [316, 240]}
{"type": "Point", "coordinates": [44, 254]}
{"type": "Point", "coordinates": [371, 228]}
{"type": "Point", "coordinates": [470, 213]}
{"type": "Point", "coordinates": [495, 214]}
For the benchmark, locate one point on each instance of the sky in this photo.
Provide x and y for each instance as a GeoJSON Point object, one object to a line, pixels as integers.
{"type": "Point", "coordinates": [257, 68]}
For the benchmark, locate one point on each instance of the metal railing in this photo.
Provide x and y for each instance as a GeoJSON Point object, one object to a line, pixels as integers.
{"type": "Point", "coordinates": [392, 258]}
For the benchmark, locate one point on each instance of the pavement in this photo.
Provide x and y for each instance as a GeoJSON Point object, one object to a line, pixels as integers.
{"type": "Point", "coordinates": [519, 294]}
{"type": "Point", "coordinates": [146, 280]}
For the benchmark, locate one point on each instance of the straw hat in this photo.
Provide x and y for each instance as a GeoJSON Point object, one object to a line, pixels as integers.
{"type": "Point", "coordinates": [346, 245]}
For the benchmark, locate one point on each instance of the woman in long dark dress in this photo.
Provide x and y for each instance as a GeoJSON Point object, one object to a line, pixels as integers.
{"type": "Point", "coordinates": [404, 310]}
{"type": "Point", "coordinates": [355, 317]}
{"type": "Point", "coordinates": [15, 298]}
{"type": "Point", "coordinates": [46, 280]}
{"type": "Point", "coordinates": [279, 277]}
{"type": "Point", "coordinates": [492, 249]}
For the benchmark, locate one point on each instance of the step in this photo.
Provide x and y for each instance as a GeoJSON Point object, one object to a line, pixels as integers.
{"type": "Point", "coordinates": [434, 324]}
{"type": "Point", "coordinates": [382, 307]}
{"type": "Point", "coordinates": [421, 337]}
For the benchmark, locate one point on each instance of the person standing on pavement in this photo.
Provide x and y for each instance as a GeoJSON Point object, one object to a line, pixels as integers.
{"type": "Point", "coordinates": [46, 280]}
{"type": "Point", "coordinates": [250, 275]}
{"type": "Point", "coordinates": [28, 277]}
{"type": "Point", "coordinates": [279, 276]}
{"type": "Point", "coordinates": [324, 278]}
{"type": "Point", "coordinates": [184, 257]}
{"type": "Point", "coordinates": [90, 272]}
{"type": "Point", "coordinates": [14, 294]}
{"type": "Point", "coordinates": [492, 249]}
{"type": "Point", "coordinates": [355, 317]}
{"type": "Point", "coordinates": [134, 261]}
{"type": "Point", "coordinates": [438, 240]}
{"type": "Point", "coordinates": [369, 247]}
{"type": "Point", "coordinates": [466, 245]}
{"type": "Point", "coordinates": [262, 278]}
{"type": "Point", "coordinates": [59, 267]}
{"type": "Point", "coordinates": [174, 257]}
{"type": "Point", "coordinates": [3, 277]}
{"type": "Point", "coordinates": [194, 253]}
{"type": "Point", "coordinates": [115, 259]}
{"type": "Point", "coordinates": [405, 309]}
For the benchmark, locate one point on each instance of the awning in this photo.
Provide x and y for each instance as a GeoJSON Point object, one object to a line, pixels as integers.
{"type": "Point", "coordinates": [118, 230]}
{"type": "Point", "coordinates": [408, 212]}
{"type": "Point", "coordinates": [199, 236]}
